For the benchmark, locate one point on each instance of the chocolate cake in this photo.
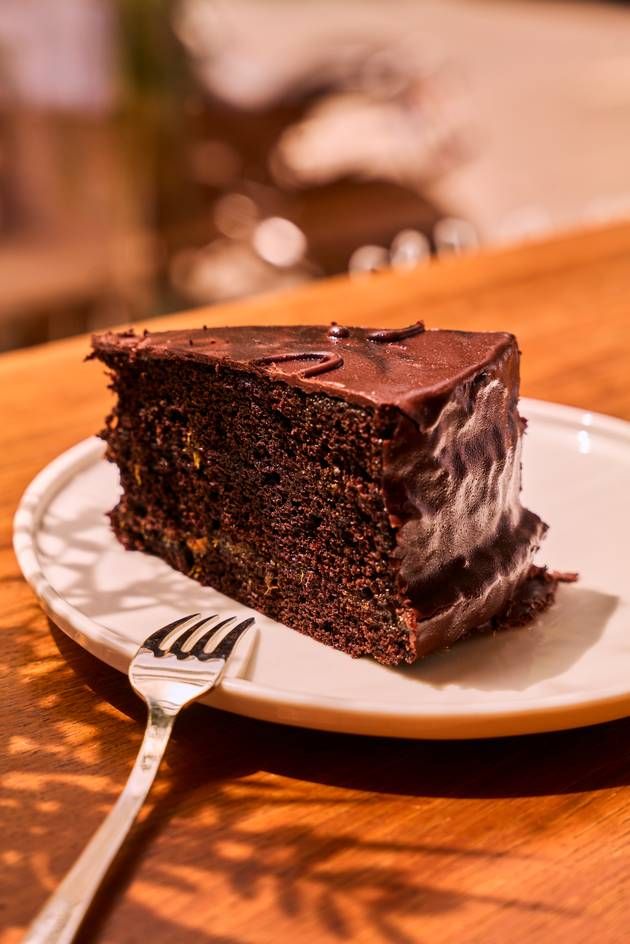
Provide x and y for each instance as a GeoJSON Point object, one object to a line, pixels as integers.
{"type": "Point", "coordinates": [362, 486]}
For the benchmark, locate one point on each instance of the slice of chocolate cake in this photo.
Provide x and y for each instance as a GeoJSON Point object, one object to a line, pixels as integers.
{"type": "Point", "coordinates": [361, 486]}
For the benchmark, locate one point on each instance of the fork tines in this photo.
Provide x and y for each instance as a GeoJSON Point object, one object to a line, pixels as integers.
{"type": "Point", "coordinates": [168, 640]}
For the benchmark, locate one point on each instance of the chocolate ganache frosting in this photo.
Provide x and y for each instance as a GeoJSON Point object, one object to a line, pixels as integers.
{"type": "Point", "coordinates": [398, 367]}
{"type": "Point", "coordinates": [450, 471]}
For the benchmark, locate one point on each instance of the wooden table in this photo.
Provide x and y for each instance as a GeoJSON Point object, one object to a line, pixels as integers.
{"type": "Point", "coordinates": [259, 834]}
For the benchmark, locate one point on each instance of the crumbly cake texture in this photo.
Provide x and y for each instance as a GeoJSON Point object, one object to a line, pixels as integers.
{"type": "Point", "coordinates": [361, 486]}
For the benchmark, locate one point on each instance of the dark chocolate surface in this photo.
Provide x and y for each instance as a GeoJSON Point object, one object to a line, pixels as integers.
{"type": "Point", "coordinates": [402, 368]}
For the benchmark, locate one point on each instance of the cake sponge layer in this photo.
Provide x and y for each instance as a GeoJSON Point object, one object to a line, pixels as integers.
{"type": "Point", "coordinates": [361, 487]}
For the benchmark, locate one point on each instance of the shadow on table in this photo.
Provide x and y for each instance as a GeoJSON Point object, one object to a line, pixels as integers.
{"type": "Point", "coordinates": [208, 765]}
{"type": "Point", "coordinates": [271, 843]}
{"type": "Point", "coordinates": [216, 743]}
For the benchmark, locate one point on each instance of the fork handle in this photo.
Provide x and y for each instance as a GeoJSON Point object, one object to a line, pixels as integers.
{"type": "Point", "coordinates": [59, 919]}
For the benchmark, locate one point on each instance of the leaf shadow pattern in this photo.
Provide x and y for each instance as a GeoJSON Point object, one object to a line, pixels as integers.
{"type": "Point", "coordinates": [235, 812]}
{"type": "Point", "coordinates": [482, 768]}
{"type": "Point", "coordinates": [302, 864]}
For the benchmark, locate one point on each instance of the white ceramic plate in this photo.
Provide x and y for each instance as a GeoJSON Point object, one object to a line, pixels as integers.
{"type": "Point", "coordinates": [570, 668]}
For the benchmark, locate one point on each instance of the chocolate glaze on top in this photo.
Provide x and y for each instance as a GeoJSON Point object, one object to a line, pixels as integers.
{"type": "Point", "coordinates": [327, 361]}
{"type": "Point", "coordinates": [389, 335]}
{"type": "Point", "coordinates": [405, 368]}
{"type": "Point", "coordinates": [338, 331]}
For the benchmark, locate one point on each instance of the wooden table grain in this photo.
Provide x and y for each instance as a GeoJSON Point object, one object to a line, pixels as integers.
{"type": "Point", "coordinates": [256, 833]}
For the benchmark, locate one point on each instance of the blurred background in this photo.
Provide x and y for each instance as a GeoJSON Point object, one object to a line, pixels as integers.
{"type": "Point", "coordinates": [163, 154]}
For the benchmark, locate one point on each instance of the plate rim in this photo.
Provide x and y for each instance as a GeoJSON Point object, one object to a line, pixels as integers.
{"type": "Point", "coordinates": [354, 716]}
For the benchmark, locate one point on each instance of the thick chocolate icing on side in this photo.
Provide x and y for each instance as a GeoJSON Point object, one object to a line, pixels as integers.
{"type": "Point", "coordinates": [391, 367]}
{"type": "Point", "coordinates": [451, 462]}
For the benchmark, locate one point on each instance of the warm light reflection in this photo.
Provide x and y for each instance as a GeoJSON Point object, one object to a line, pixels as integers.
{"type": "Point", "coordinates": [584, 441]}
{"type": "Point", "coordinates": [279, 242]}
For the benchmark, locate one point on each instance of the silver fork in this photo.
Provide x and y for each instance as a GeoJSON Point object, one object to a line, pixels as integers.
{"type": "Point", "coordinates": [172, 668]}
